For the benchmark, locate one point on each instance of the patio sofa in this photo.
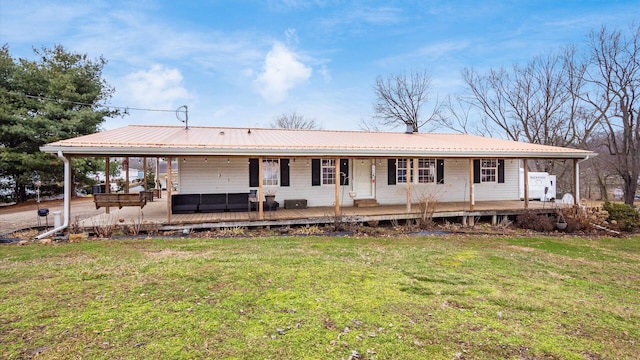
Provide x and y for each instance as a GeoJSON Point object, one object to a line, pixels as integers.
{"type": "Point", "coordinates": [212, 203]}
{"type": "Point", "coordinates": [184, 203]}
{"type": "Point", "coordinates": [237, 201]}
{"type": "Point", "coordinates": [209, 203]}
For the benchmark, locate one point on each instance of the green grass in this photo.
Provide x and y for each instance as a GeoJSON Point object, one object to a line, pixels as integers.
{"type": "Point", "coordinates": [326, 297]}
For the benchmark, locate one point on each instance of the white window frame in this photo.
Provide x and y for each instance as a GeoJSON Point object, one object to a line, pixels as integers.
{"type": "Point", "coordinates": [402, 170]}
{"type": "Point", "coordinates": [426, 170]}
{"type": "Point", "coordinates": [328, 171]}
{"type": "Point", "coordinates": [270, 172]}
{"type": "Point", "coordinates": [488, 170]}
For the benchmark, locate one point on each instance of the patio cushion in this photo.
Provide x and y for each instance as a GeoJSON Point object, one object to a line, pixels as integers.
{"type": "Point", "coordinates": [238, 201]}
{"type": "Point", "coordinates": [212, 203]}
{"type": "Point", "coordinates": [185, 203]}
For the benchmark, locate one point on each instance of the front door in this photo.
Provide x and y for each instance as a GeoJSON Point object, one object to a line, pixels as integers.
{"type": "Point", "coordinates": [364, 175]}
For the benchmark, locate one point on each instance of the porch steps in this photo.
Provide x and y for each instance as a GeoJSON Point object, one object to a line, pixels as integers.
{"type": "Point", "coordinates": [362, 203]}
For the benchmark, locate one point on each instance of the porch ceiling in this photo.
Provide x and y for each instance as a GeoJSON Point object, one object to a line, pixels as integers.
{"type": "Point", "coordinates": [144, 140]}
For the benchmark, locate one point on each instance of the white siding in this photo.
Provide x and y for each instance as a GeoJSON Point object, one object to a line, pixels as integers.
{"type": "Point", "coordinates": [454, 189]}
{"type": "Point", "coordinates": [215, 175]}
{"type": "Point", "coordinates": [506, 191]}
{"type": "Point", "coordinates": [219, 175]}
{"type": "Point", "coordinates": [300, 187]}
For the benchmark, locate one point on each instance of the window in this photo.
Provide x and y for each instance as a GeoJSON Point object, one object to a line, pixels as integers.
{"type": "Point", "coordinates": [488, 170]}
{"type": "Point", "coordinates": [401, 170]}
{"type": "Point", "coordinates": [328, 171]}
{"type": "Point", "coordinates": [426, 170]}
{"type": "Point", "coordinates": [270, 172]}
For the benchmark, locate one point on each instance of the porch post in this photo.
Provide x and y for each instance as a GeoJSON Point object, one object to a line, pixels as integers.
{"type": "Point", "coordinates": [576, 184]}
{"type": "Point", "coordinates": [144, 173]}
{"type": "Point", "coordinates": [157, 178]}
{"type": "Point", "coordinates": [126, 175]}
{"type": "Point", "coordinates": [409, 173]}
{"type": "Point", "coordinates": [336, 169]}
{"type": "Point", "coordinates": [472, 200]}
{"type": "Point", "coordinates": [107, 183]}
{"type": "Point", "coordinates": [526, 184]}
{"type": "Point", "coordinates": [260, 190]}
{"type": "Point", "coordinates": [169, 190]}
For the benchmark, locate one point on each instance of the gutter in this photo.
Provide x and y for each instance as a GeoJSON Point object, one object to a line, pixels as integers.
{"type": "Point", "coordinates": [67, 198]}
{"type": "Point", "coordinates": [577, 179]}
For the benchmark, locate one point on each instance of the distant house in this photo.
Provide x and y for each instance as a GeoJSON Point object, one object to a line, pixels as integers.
{"type": "Point", "coordinates": [327, 168]}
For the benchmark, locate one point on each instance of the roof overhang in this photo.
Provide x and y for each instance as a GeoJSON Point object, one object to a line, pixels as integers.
{"type": "Point", "coordinates": [176, 152]}
{"type": "Point", "coordinates": [164, 141]}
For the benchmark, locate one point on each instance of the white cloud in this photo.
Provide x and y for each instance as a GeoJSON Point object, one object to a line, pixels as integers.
{"type": "Point", "coordinates": [157, 88]}
{"type": "Point", "coordinates": [292, 36]}
{"type": "Point", "coordinates": [282, 71]}
{"type": "Point", "coordinates": [326, 75]}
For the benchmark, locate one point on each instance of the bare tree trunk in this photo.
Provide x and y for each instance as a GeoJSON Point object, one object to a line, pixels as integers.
{"type": "Point", "coordinates": [615, 97]}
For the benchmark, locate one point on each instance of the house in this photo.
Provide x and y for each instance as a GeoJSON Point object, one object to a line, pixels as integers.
{"type": "Point", "coordinates": [323, 167]}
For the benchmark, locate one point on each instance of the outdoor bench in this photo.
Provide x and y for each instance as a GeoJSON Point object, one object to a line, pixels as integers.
{"type": "Point", "coordinates": [223, 202]}
{"type": "Point", "coordinates": [185, 203]}
{"type": "Point", "coordinates": [212, 203]}
{"type": "Point", "coordinates": [209, 203]}
{"type": "Point", "coordinates": [119, 200]}
{"type": "Point", "coordinates": [148, 194]}
{"type": "Point", "coordinates": [238, 202]}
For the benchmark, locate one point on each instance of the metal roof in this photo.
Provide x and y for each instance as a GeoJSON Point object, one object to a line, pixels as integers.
{"type": "Point", "coordinates": [150, 140]}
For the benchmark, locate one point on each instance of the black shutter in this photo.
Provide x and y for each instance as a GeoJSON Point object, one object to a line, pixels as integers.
{"type": "Point", "coordinates": [315, 172]}
{"type": "Point", "coordinates": [440, 171]}
{"type": "Point", "coordinates": [501, 171]}
{"type": "Point", "coordinates": [344, 171]}
{"type": "Point", "coordinates": [254, 173]}
{"type": "Point", "coordinates": [391, 171]}
{"type": "Point", "coordinates": [284, 172]}
{"type": "Point", "coordinates": [476, 171]}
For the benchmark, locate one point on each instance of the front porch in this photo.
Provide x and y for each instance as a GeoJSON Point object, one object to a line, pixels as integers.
{"type": "Point", "coordinates": [154, 214]}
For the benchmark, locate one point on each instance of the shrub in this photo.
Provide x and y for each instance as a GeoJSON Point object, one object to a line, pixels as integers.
{"type": "Point", "coordinates": [576, 218]}
{"type": "Point", "coordinates": [625, 216]}
{"type": "Point", "coordinates": [533, 221]}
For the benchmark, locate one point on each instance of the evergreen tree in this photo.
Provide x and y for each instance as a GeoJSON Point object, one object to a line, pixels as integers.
{"type": "Point", "coordinates": [59, 95]}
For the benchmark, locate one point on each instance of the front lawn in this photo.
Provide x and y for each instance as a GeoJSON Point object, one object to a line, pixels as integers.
{"type": "Point", "coordinates": [409, 297]}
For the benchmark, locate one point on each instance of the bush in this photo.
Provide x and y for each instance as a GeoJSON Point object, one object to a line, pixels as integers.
{"type": "Point", "coordinates": [533, 221]}
{"type": "Point", "coordinates": [625, 216]}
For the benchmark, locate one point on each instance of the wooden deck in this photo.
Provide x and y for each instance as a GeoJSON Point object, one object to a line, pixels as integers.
{"type": "Point", "coordinates": [155, 214]}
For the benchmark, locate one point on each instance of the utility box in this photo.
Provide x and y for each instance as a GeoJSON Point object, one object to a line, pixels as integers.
{"type": "Point", "coordinates": [542, 186]}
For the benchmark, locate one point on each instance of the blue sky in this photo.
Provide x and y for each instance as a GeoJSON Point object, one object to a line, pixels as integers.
{"type": "Point", "coordinates": [242, 63]}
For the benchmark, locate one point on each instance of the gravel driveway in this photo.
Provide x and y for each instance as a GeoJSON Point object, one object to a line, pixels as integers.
{"type": "Point", "coordinates": [25, 216]}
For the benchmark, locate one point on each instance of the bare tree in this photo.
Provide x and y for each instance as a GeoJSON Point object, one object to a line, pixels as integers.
{"type": "Point", "coordinates": [458, 116]}
{"type": "Point", "coordinates": [400, 100]}
{"type": "Point", "coordinates": [293, 120]}
{"type": "Point", "coordinates": [614, 83]}
{"type": "Point", "coordinates": [537, 103]}
{"type": "Point", "coordinates": [603, 166]}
